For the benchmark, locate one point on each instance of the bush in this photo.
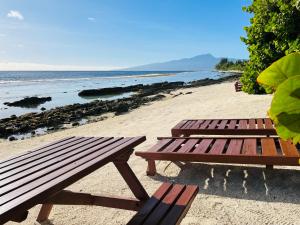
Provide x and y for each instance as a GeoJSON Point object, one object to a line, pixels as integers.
{"type": "Point", "coordinates": [274, 32]}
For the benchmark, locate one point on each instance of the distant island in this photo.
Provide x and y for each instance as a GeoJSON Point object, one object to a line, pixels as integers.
{"type": "Point", "coordinates": [196, 63]}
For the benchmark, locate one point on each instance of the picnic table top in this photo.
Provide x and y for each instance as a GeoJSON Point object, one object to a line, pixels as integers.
{"type": "Point", "coordinates": [29, 178]}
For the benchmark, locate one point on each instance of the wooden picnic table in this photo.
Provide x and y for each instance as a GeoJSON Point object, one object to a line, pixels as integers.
{"type": "Point", "coordinates": [41, 175]}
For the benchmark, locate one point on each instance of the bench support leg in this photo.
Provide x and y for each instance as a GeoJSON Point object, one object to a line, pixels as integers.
{"type": "Point", "coordinates": [132, 181]}
{"type": "Point", "coordinates": [269, 167]}
{"type": "Point", "coordinates": [44, 213]}
{"type": "Point", "coordinates": [151, 169]}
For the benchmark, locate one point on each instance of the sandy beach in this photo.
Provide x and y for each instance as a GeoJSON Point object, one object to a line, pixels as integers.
{"type": "Point", "coordinates": [228, 194]}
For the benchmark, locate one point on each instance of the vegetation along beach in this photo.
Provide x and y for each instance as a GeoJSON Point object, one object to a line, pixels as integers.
{"type": "Point", "coordinates": [150, 112]}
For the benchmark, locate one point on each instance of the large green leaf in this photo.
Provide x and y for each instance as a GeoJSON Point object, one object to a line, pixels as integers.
{"type": "Point", "coordinates": [285, 109]}
{"type": "Point", "coordinates": [280, 70]}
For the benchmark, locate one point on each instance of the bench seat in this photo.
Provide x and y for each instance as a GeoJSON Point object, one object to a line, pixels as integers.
{"type": "Point", "coordinates": [167, 206]}
{"type": "Point", "coordinates": [240, 126]}
{"type": "Point", "coordinates": [267, 151]}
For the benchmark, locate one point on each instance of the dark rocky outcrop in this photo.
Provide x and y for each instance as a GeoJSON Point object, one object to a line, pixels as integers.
{"type": "Point", "coordinates": [133, 88]}
{"type": "Point", "coordinates": [71, 114]}
{"type": "Point", "coordinates": [29, 102]}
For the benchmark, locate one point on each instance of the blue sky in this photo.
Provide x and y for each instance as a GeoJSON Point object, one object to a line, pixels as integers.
{"type": "Point", "coordinates": [109, 34]}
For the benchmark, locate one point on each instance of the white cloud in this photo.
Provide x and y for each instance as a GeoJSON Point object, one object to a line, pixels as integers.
{"type": "Point", "coordinates": [24, 66]}
{"type": "Point", "coordinates": [92, 19]}
{"type": "Point", "coordinates": [15, 14]}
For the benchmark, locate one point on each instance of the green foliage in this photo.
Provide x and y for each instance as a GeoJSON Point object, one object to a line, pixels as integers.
{"type": "Point", "coordinates": [284, 77]}
{"type": "Point", "coordinates": [274, 32]}
{"type": "Point", "coordinates": [225, 64]}
{"type": "Point", "coordinates": [280, 70]}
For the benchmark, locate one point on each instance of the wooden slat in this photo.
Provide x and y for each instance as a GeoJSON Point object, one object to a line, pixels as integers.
{"type": "Point", "coordinates": [197, 124]}
{"type": "Point", "coordinates": [249, 146]}
{"type": "Point", "coordinates": [260, 124]}
{"type": "Point", "coordinates": [234, 147]}
{"type": "Point", "coordinates": [146, 210]}
{"type": "Point", "coordinates": [161, 210]}
{"type": "Point", "coordinates": [42, 155]}
{"type": "Point", "coordinates": [180, 124]}
{"type": "Point", "coordinates": [213, 124]}
{"type": "Point", "coordinates": [222, 125]}
{"type": "Point", "coordinates": [242, 124]}
{"type": "Point", "coordinates": [187, 124]}
{"type": "Point", "coordinates": [160, 145]}
{"type": "Point", "coordinates": [191, 124]}
{"type": "Point", "coordinates": [232, 124]}
{"type": "Point", "coordinates": [288, 148]}
{"type": "Point", "coordinates": [37, 151]}
{"type": "Point", "coordinates": [176, 214]}
{"type": "Point", "coordinates": [218, 146]}
{"type": "Point", "coordinates": [203, 146]}
{"type": "Point", "coordinates": [268, 147]}
{"type": "Point", "coordinates": [71, 174]}
{"type": "Point", "coordinates": [36, 161]}
{"type": "Point", "coordinates": [188, 145]}
{"type": "Point", "coordinates": [268, 123]}
{"type": "Point", "coordinates": [205, 124]}
{"type": "Point", "coordinates": [52, 165]}
{"type": "Point", "coordinates": [252, 124]}
{"type": "Point", "coordinates": [174, 145]}
{"type": "Point", "coordinates": [59, 172]}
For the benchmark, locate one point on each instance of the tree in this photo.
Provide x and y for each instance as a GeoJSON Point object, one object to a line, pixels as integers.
{"type": "Point", "coordinates": [274, 32]}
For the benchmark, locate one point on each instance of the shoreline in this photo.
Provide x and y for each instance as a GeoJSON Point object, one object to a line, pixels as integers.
{"type": "Point", "coordinates": [59, 118]}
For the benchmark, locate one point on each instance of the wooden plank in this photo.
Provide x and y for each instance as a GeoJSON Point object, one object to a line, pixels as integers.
{"type": "Point", "coordinates": [252, 124]}
{"type": "Point", "coordinates": [205, 124]}
{"type": "Point", "coordinates": [189, 145]}
{"type": "Point", "coordinates": [232, 124]}
{"type": "Point", "coordinates": [160, 145]}
{"type": "Point", "coordinates": [31, 162]}
{"type": "Point", "coordinates": [213, 124]}
{"type": "Point", "coordinates": [187, 124]}
{"type": "Point", "coordinates": [197, 124]}
{"type": "Point", "coordinates": [260, 123]}
{"type": "Point", "coordinates": [218, 146]}
{"type": "Point", "coordinates": [182, 205]}
{"type": "Point", "coordinates": [203, 146]}
{"type": "Point", "coordinates": [43, 169]}
{"type": "Point", "coordinates": [146, 210]}
{"type": "Point", "coordinates": [234, 147]}
{"type": "Point", "coordinates": [80, 170]}
{"type": "Point", "coordinates": [174, 145]}
{"type": "Point", "coordinates": [180, 124]}
{"type": "Point", "coordinates": [268, 123]}
{"type": "Point", "coordinates": [242, 124]}
{"type": "Point", "coordinates": [222, 125]}
{"type": "Point", "coordinates": [56, 173]}
{"type": "Point", "coordinates": [288, 148]}
{"type": "Point", "coordinates": [268, 147]}
{"type": "Point", "coordinates": [162, 209]}
{"type": "Point", "coordinates": [37, 151]}
{"type": "Point", "coordinates": [191, 124]}
{"type": "Point", "coordinates": [249, 146]}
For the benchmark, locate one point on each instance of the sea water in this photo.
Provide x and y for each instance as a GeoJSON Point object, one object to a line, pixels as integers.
{"type": "Point", "coordinates": [64, 86]}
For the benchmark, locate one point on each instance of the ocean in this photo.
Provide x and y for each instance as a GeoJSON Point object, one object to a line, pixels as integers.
{"type": "Point", "coordinates": [63, 86]}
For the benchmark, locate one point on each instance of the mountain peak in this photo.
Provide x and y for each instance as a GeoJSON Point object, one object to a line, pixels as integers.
{"type": "Point", "coordinates": [200, 62]}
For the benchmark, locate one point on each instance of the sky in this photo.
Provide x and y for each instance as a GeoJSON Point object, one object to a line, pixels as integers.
{"type": "Point", "coordinates": [115, 34]}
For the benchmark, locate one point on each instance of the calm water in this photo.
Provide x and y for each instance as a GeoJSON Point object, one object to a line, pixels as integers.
{"type": "Point", "coordinates": [63, 87]}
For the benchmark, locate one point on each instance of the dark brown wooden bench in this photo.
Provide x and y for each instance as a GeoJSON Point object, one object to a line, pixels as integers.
{"type": "Point", "coordinates": [236, 150]}
{"type": "Point", "coordinates": [41, 175]}
{"type": "Point", "coordinates": [253, 126]}
{"type": "Point", "coordinates": [238, 86]}
{"type": "Point", "coordinates": [167, 206]}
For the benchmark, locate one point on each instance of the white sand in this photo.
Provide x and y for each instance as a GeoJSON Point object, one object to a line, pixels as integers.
{"type": "Point", "coordinates": [228, 194]}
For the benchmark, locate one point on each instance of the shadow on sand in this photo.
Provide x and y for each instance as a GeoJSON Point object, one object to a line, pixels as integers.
{"type": "Point", "coordinates": [243, 182]}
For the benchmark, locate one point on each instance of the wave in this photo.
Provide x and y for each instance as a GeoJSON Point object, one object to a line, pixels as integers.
{"type": "Point", "coordinates": [85, 78]}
